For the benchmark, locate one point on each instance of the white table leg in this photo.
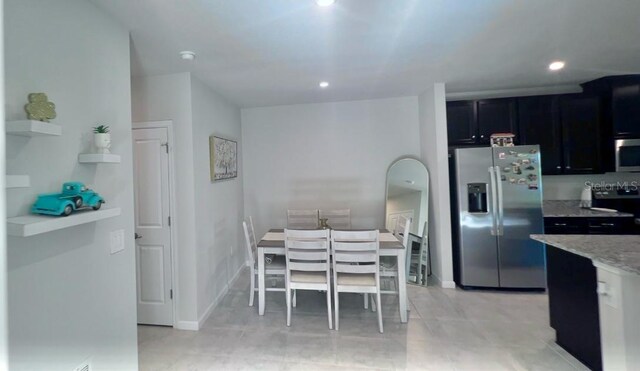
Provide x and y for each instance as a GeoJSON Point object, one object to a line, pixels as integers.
{"type": "Point", "coordinates": [261, 282]}
{"type": "Point", "coordinates": [402, 285]}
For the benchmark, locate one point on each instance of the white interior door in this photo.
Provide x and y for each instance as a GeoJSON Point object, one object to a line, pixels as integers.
{"type": "Point", "coordinates": [153, 234]}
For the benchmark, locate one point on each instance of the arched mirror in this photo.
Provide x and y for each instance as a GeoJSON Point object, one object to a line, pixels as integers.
{"type": "Point", "coordinates": [408, 202]}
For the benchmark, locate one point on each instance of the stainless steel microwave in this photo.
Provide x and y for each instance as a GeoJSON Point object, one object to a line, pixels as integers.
{"type": "Point", "coordinates": [627, 155]}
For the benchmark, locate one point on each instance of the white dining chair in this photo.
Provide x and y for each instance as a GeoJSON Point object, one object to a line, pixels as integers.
{"type": "Point", "coordinates": [277, 266]}
{"type": "Point", "coordinates": [390, 269]}
{"type": "Point", "coordinates": [337, 218]}
{"type": "Point", "coordinates": [356, 266]}
{"type": "Point", "coordinates": [308, 264]}
{"type": "Point", "coordinates": [302, 219]}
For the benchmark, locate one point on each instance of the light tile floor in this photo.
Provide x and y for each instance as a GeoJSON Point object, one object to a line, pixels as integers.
{"type": "Point", "coordinates": [447, 330]}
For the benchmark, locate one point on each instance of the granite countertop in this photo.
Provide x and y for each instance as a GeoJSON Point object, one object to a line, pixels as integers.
{"type": "Point", "coordinates": [571, 208]}
{"type": "Point", "coordinates": [618, 251]}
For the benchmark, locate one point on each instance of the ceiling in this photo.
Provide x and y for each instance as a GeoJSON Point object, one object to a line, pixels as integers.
{"type": "Point", "coordinates": [274, 52]}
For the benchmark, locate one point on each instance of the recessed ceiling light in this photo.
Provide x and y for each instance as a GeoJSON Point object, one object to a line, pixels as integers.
{"type": "Point", "coordinates": [324, 84]}
{"type": "Point", "coordinates": [556, 65]}
{"type": "Point", "coordinates": [325, 2]}
{"type": "Point", "coordinates": [187, 55]}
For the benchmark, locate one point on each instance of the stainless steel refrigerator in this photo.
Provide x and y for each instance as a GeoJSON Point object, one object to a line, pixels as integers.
{"type": "Point", "coordinates": [497, 204]}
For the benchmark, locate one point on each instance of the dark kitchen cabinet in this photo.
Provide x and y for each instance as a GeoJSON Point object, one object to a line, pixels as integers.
{"type": "Point", "coordinates": [625, 109]}
{"type": "Point", "coordinates": [461, 122]}
{"type": "Point", "coordinates": [580, 120]}
{"type": "Point", "coordinates": [496, 116]}
{"type": "Point", "coordinates": [573, 305]}
{"type": "Point", "coordinates": [589, 225]}
{"type": "Point", "coordinates": [539, 123]}
{"type": "Point", "coordinates": [621, 111]}
{"type": "Point", "coordinates": [473, 122]}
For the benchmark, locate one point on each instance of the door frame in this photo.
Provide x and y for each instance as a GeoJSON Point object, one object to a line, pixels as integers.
{"type": "Point", "coordinates": [168, 124]}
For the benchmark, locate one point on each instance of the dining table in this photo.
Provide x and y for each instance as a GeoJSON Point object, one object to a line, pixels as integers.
{"type": "Point", "coordinates": [273, 243]}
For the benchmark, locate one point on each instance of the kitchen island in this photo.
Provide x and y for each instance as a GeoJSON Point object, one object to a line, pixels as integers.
{"type": "Point", "coordinates": [594, 297]}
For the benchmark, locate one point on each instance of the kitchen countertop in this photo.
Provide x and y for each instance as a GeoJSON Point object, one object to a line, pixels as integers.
{"type": "Point", "coordinates": [571, 208]}
{"type": "Point", "coordinates": [618, 251]}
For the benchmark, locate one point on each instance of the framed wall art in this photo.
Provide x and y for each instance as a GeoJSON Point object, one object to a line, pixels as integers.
{"type": "Point", "coordinates": [223, 157]}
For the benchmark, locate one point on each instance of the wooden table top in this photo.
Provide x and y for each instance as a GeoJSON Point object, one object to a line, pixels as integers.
{"type": "Point", "coordinates": [280, 243]}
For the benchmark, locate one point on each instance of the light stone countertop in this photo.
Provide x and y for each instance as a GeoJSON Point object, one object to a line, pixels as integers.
{"type": "Point", "coordinates": [618, 251]}
{"type": "Point", "coordinates": [571, 208]}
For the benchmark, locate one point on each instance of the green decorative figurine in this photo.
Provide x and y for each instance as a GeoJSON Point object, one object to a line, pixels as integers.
{"type": "Point", "coordinates": [39, 108]}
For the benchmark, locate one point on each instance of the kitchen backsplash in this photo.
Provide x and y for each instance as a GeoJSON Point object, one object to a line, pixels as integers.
{"type": "Point", "coordinates": [569, 187]}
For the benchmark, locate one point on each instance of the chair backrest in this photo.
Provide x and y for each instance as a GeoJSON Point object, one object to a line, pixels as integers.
{"type": "Point", "coordinates": [307, 250]}
{"type": "Point", "coordinates": [250, 239]}
{"type": "Point", "coordinates": [361, 247]}
{"type": "Point", "coordinates": [401, 231]}
{"type": "Point", "coordinates": [302, 219]}
{"type": "Point", "coordinates": [337, 219]}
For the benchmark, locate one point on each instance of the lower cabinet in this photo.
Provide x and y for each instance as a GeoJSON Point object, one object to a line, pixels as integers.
{"type": "Point", "coordinates": [573, 305]}
{"type": "Point", "coordinates": [586, 225]}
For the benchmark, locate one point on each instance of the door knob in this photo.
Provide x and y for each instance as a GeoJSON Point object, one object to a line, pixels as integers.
{"type": "Point", "coordinates": [137, 236]}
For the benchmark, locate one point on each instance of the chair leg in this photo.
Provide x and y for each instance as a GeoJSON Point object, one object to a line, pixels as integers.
{"type": "Point", "coordinates": [252, 288]}
{"type": "Point", "coordinates": [373, 303]}
{"type": "Point", "coordinates": [379, 311]}
{"type": "Point", "coordinates": [329, 314]}
{"type": "Point", "coordinates": [288, 295]}
{"type": "Point", "coordinates": [366, 301]}
{"type": "Point", "coordinates": [295, 298]}
{"type": "Point", "coordinates": [337, 305]}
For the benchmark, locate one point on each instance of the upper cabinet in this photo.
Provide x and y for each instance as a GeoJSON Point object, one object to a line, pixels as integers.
{"type": "Point", "coordinates": [496, 116]}
{"type": "Point", "coordinates": [580, 118]}
{"type": "Point", "coordinates": [539, 123]}
{"type": "Point", "coordinates": [568, 130]}
{"type": "Point", "coordinates": [576, 132]}
{"type": "Point", "coordinates": [625, 109]}
{"type": "Point", "coordinates": [621, 98]}
{"type": "Point", "coordinates": [461, 122]}
{"type": "Point", "coordinates": [473, 122]}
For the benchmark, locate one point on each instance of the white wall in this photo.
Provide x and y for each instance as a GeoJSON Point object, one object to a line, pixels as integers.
{"type": "Point", "coordinates": [219, 212]}
{"type": "Point", "coordinates": [210, 250]}
{"type": "Point", "coordinates": [168, 97]}
{"type": "Point", "coordinates": [69, 299]}
{"type": "Point", "coordinates": [329, 155]}
{"type": "Point", "coordinates": [569, 187]}
{"type": "Point", "coordinates": [433, 137]}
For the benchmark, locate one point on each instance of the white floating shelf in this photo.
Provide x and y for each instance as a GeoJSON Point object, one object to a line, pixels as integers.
{"type": "Point", "coordinates": [18, 181]}
{"type": "Point", "coordinates": [32, 128]}
{"type": "Point", "coordinates": [98, 158]}
{"type": "Point", "coordinates": [31, 225]}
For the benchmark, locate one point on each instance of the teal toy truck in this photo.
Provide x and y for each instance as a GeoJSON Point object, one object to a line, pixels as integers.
{"type": "Point", "coordinates": [74, 196]}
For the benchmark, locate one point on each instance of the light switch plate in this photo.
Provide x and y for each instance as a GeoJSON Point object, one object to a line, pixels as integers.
{"type": "Point", "coordinates": [117, 241]}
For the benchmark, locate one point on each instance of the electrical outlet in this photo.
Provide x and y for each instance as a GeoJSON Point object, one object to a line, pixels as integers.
{"type": "Point", "coordinates": [117, 241]}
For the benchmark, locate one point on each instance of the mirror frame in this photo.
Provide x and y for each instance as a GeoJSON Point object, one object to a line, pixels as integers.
{"type": "Point", "coordinates": [425, 232]}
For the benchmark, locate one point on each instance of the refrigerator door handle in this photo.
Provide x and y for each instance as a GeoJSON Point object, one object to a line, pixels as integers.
{"type": "Point", "coordinates": [494, 200]}
{"type": "Point", "coordinates": [500, 203]}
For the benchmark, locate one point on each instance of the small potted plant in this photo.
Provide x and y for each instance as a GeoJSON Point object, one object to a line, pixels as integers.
{"type": "Point", "coordinates": [102, 138]}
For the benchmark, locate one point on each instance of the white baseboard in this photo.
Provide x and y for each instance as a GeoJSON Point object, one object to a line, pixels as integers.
{"type": "Point", "coordinates": [218, 299]}
{"type": "Point", "coordinates": [448, 284]}
{"type": "Point", "coordinates": [187, 325]}
{"type": "Point", "coordinates": [444, 284]}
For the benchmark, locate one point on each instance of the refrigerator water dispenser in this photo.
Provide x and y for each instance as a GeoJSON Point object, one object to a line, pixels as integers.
{"type": "Point", "coordinates": [477, 194]}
